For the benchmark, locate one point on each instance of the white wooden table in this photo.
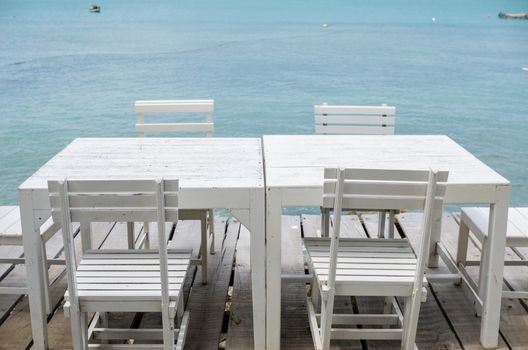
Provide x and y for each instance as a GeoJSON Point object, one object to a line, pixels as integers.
{"type": "Point", "coordinates": [294, 177]}
{"type": "Point", "coordinates": [213, 173]}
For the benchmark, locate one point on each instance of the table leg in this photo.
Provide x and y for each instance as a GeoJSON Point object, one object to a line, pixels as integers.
{"type": "Point", "coordinates": [34, 270]}
{"type": "Point", "coordinates": [273, 268]}
{"type": "Point", "coordinates": [492, 285]}
{"type": "Point", "coordinates": [258, 267]}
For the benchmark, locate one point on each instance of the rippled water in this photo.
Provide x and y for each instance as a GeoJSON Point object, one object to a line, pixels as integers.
{"type": "Point", "coordinates": [66, 73]}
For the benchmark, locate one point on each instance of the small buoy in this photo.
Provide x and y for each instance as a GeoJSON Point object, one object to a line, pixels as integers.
{"type": "Point", "coordinates": [325, 25]}
{"type": "Point", "coordinates": [433, 19]}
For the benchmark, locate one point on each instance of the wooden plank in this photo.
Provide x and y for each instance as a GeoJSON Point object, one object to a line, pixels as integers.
{"type": "Point", "coordinates": [186, 236]}
{"type": "Point", "coordinates": [207, 302]}
{"type": "Point", "coordinates": [350, 227]}
{"type": "Point", "coordinates": [104, 235]}
{"type": "Point", "coordinates": [295, 329]}
{"type": "Point", "coordinates": [19, 320]}
{"type": "Point", "coordinates": [240, 331]}
{"type": "Point", "coordinates": [453, 301]}
{"type": "Point", "coordinates": [344, 109]}
{"type": "Point", "coordinates": [433, 327]}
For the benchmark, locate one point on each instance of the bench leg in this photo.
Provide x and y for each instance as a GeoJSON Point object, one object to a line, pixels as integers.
{"type": "Point", "coordinates": [484, 263]}
{"type": "Point", "coordinates": [462, 246]}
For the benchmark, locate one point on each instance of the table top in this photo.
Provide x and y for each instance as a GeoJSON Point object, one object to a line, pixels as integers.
{"type": "Point", "coordinates": [298, 160]}
{"type": "Point", "coordinates": [197, 162]}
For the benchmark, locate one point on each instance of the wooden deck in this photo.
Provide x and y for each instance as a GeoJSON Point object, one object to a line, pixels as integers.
{"type": "Point", "coordinates": [221, 314]}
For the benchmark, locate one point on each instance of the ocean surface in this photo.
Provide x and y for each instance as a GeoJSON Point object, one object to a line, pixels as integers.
{"type": "Point", "coordinates": [67, 73]}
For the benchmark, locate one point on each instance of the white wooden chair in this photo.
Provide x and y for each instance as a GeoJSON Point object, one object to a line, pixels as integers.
{"type": "Point", "coordinates": [205, 107]}
{"type": "Point", "coordinates": [123, 280]}
{"type": "Point", "coordinates": [371, 267]}
{"type": "Point", "coordinates": [11, 235]}
{"type": "Point", "coordinates": [356, 120]}
{"type": "Point", "coordinates": [476, 221]}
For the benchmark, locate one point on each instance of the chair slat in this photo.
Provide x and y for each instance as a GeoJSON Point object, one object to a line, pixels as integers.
{"type": "Point", "coordinates": [361, 110]}
{"type": "Point", "coordinates": [175, 127]}
{"type": "Point", "coordinates": [174, 106]}
{"type": "Point", "coordinates": [355, 119]}
{"type": "Point", "coordinates": [391, 175]}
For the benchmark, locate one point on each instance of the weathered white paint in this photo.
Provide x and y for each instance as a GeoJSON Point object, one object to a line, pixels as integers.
{"type": "Point", "coordinates": [294, 168]}
{"type": "Point", "coordinates": [204, 167]}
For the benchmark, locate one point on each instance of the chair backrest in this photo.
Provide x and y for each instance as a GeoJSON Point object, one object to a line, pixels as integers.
{"type": "Point", "coordinates": [110, 201]}
{"type": "Point", "coordinates": [354, 120]}
{"type": "Point", "coordinates": [175, 106]}
{"type": "Point", "coordinates": [382, 189]}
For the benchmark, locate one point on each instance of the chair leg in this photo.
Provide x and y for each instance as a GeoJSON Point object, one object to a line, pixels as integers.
{"type": "Point", "coordinates": [325, 222]}
{"type": "Point", "coordinates": [410, 320]}
{"type": "Point", "coordinates": [462, 246]}
{"type": "Point", "coordinates": [168, 330]}
{"type": "Point", "coordinates": [327, 314]}
{"type": "Point", "coordinates": [387, 305]}
{"type": "Point", "coordinates": [211, 232]}
{"type": "Point", "coordinates": [484, 261]}
{"type": "Point", "coordinates": [146, 233]}
{"type": "Point", "coordinates": [103, 323]}
{"type": "Point", "coordinates": [203, 247]}
{"type": "Point", "coordinates": [315, 294]}
{"type": "Point", "coordinates": [130, 235]}
{"type": "Point", "coordinates": [76, 329]}
{"type": "Point", "coordinates": [387, 308]}
{"type": "Point", "coordinates": [381, 224]}
{"type": "Point", "coordinates": [86, 236]}
{"type": "Point", "coordinates": [84, 329]}
{"type": "Point", "coordinates": [392, 221]}
{"type": "Point", "coordinates": [45, 274]}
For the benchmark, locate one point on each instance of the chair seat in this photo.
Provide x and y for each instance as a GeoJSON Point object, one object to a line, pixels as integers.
{"type": "Point", "coordinates": [11, 227]}
{"type": "Point", "coordinates": [129, 276]}
{"type": "Point", "coordinates": [370, 267]}
{"type": "Point", "coordinates": [517, 230]}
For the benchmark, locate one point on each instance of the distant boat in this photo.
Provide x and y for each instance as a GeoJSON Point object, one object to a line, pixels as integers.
{"type": "Point", "coordinates": [95, 8]}
{"type": "Point", "coordinates": [525, 69]}
{"type": "Point", "coordinates": [519, 15]}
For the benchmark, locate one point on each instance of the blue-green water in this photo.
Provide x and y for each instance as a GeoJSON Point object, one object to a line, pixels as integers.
{"type": "Point", "coordinates": [66, 73]}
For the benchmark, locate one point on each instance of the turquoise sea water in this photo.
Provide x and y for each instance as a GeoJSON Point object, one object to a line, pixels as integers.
{"type": "Point", "coordinates": [66, 73]}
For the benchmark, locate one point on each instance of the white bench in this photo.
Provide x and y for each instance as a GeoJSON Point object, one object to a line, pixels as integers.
{"type": "Point", "coordinates": [11, 235]}
{"type": "Point", "coordinates": [475, 220]}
